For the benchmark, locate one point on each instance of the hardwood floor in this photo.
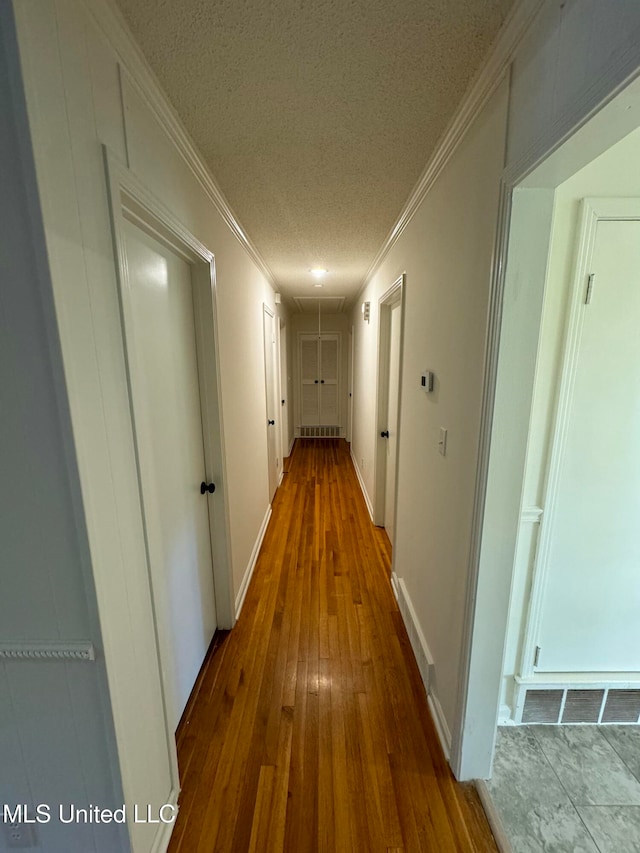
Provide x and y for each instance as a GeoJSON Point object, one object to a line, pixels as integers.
{"type": "Point", "coordinates": [309, 728]}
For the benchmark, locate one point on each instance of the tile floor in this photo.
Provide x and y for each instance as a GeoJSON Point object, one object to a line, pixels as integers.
{"type": "Point", "coordinates": [568, 789]}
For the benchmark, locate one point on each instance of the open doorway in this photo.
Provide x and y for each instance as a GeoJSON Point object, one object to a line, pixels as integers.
{"type": "Point", "coordinates": [388, 406]}
{"type": "Point", "coordinates": [560, 548]}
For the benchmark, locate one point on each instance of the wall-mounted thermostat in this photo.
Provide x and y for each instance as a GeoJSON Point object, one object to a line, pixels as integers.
{"type": "Point", "coordinates": [426, 381]}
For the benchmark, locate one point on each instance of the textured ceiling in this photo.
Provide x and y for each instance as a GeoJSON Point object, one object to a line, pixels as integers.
{"type": "Point", "coordinates": [316, 117]}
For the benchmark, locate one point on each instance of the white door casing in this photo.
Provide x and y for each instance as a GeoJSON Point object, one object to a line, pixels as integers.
{"type": "Point", "coordinates": [391, 444]}
{"type": "Point", "coordinates": [586, 593]}
{"type": "Point", "coordinates": [390, 331]}
{"type": "Point", "coordinates": [272, 414]}
{"type": "Point", "coordinates": [161, 333]}
{"type": "Point", "coordinates": [150, 774]}
{"type": "Point", "coordinates": [283, 408]}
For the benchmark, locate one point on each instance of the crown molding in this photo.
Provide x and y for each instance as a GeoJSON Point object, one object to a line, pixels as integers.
{"type": "Point", "coordinates": [114, 27]}
{"type": "Point", "coordinates": [480, 90]}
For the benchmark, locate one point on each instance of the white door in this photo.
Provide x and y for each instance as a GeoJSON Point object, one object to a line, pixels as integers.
{"type": "Point", "coordinates": [309, 380]}
{"type": "Point", "coordinates": [283, 408]}
{"type": "Point", "coordinates": [591, 606]}
{"type": "Point", "coordinates": [329, 384]}
{"type": "Point", "coordinates": [392, 420]}
{"type": "Point", "coordinates": [166, 402]}
{"type": "Point", "coordinates": [270, 389]}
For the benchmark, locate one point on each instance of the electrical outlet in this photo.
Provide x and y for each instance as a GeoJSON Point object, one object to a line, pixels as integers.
{"type": "Point", "coordinates": [19, 836]}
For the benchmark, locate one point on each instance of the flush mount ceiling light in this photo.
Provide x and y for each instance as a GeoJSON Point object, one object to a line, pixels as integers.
{"type": "Point", "coordinates": [318, 285]}
{"type": "Point", "coordinates": [318, 272]}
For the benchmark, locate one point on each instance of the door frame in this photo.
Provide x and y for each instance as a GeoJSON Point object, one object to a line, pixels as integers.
{"type": "Point", "coordinates": [350, 369]}
{"type": "Point", "coordinates": [393, 295]}
{"type": "Point", "coordinates": [129, 200]}
{"type": "Point", "coordinates": [514, 319]}
{"type": "Point", "coordinates": [275, 372]}
{"type": "Point", "coordinates": [592, 211]}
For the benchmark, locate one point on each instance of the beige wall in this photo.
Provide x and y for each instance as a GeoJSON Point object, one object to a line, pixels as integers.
{"type": "Point", "coordinates": [75, 101]}
{"type": "Point", "coordinates": [446, 252]}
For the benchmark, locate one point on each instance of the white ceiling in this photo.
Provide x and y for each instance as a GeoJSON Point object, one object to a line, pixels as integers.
{"type": "Point", "coordinates": [316, 117]}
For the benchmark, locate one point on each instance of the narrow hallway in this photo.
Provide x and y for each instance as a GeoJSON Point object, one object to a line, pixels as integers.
{"type": "Point", "coordinates": [309, 727]}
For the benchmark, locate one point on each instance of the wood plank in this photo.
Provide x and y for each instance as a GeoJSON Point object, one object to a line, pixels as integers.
{"type": "Point", "coordinates": [309, 729]}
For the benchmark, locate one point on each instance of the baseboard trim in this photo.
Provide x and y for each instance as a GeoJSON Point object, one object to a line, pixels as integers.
{"type": "Point", "coordinates": [505, 716]}
{"type": "Point", "coordinates": [165, 830]}
{"type": "Point", "coordinates": [293, 441]}
{"type": "Point", "coordinates": [424, 659]}
{"type": "Point", "coordinates": [444, 735]}
{"type": "Point", "coordinates": [493, 818]}
{"type": "Point", "coordinates": [246, 580]}
{"type": "Point", "coordinates": [362, 485]}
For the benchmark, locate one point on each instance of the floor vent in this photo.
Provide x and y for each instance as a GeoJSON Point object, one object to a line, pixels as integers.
{"type": "Point", "coordinates": [582, 706]}
{"type": "Point", "coordinates": [542, 706]}
{"type": "Point", "coordinates": [320, 432]}
{"type": "Point", "coordinates": [622, 706]}
{"type": "Point", "coordinates": [590, 706]}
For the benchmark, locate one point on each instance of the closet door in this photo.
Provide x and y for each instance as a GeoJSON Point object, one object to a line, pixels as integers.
{"type": "Point", "coordinates": [309, 375]}
{"type": "Point", "coordinates": [329, 414]}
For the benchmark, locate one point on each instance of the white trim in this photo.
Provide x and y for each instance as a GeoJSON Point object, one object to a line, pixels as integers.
{"type": "Point", "coordinates": [394, 295]}
{"type": "Point", "coordinates": [165, 830]}
{"type": "Point", "coordinates": [444, 735]}
{"type": "Point", "coordinates": [362, 485]}
{"type": "Point", "coordinates": [505, 715]}
{"type": "Point", "coordinates": [479, 92]}
{"type": "Point", "coordinates": [293, 441]}
{"type": "Point", "coordinates": [112, 23]}
{"type": "Point", "coordinates": [531, 515]}
{"type": "Point", "coordinates": [424, 659]}
{"type": "Point", "coordinates": [592, 211]}
{"type": "Point", "coordinates": [578, 680]}
{"type": "Point", "coordinates": [395, 586]}
{"type": "Point", "coordinates": [253, 559]}
{"type": "Point", "coordinates": [489, 383]}
{"type": "Point", "coordinates": [493, 817]}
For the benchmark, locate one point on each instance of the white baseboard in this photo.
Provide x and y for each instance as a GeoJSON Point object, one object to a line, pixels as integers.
{"type": "Point", "coordinates": [244, 586]}
{"type": "Point", "coordinates": [362, 485]}
{"type": "Point", "coordinates": [502, 842]}
{"type": "Point", "coordinates": [444, 735]}
{"type": "Point", "coordinates": [505, 716]}
{"type": "Point", "coordinates": [293, 441]}
{"type": "Point", "coordinates": [424, 659]}
{"type": "Point", "coordinates": [165, 830]}
{"type": "Point", "coordinates": [280, 478]}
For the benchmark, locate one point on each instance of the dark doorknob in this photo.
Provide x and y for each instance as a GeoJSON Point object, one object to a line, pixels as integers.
{"type": "Point", "coordinates": [271, 423]}
{"type": "Point", "coordinates": [322, 381]}
{"type": "Point", "coordinates": [207, 487]}
{"type": "Point", "coordinates": [384, 434]}
{"type": "Point", "coordinates": [316, 381]}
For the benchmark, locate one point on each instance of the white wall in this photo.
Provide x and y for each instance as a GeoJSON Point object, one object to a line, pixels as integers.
{"type": "Point", "coordinates": [574, 58]}
{"type": "Point", "coordinates": [446, 253]}
{"type": "Point", "coordinates": [80, 95]}
{"type": "Point", "coordinates": [330, 323]}
{"type": "Point", "coordinates": [614, 173]}
{"type": "Point", "coordinates": [57, 741]}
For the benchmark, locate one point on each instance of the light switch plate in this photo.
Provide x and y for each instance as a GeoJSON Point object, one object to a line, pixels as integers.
{"type": "Point", "coordinates": [442, 442]}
